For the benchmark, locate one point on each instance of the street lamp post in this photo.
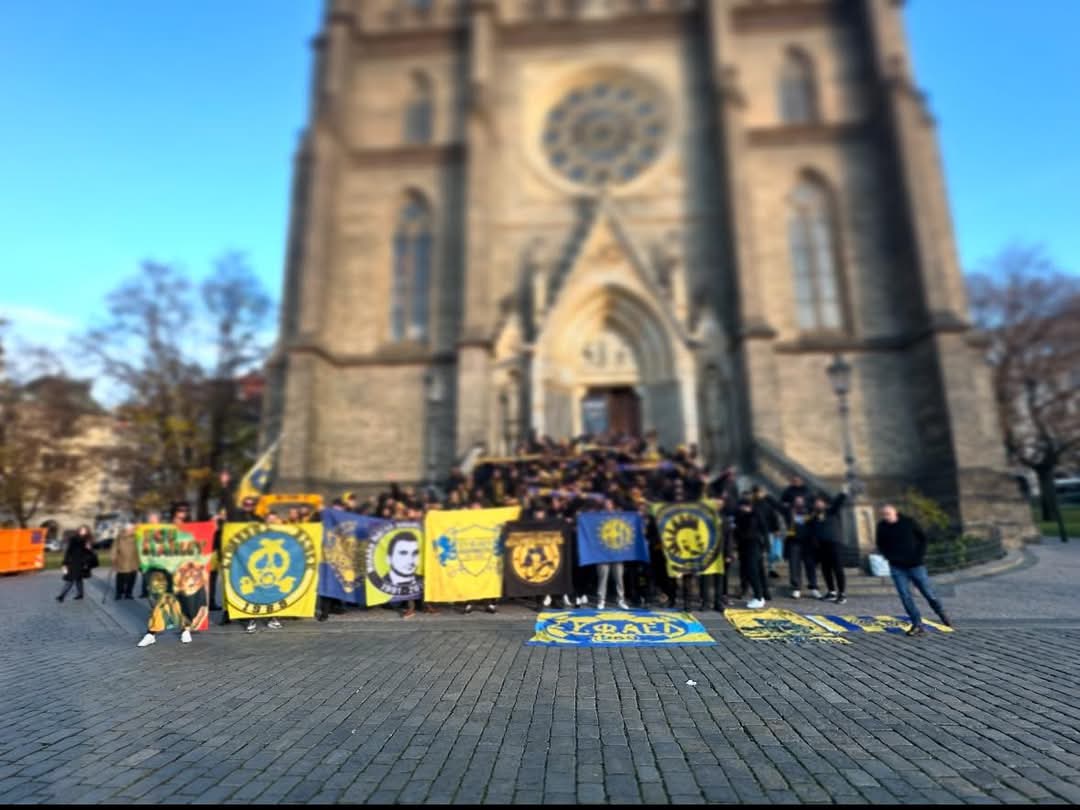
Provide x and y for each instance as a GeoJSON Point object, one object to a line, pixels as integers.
{"type": "Point", "coordinates": [858, 516]}
{"type": "Point", "coordinates": [839, 372]}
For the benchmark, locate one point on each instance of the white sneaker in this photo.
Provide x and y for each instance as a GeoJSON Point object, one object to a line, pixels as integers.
{"type": "Point", "coordinates": [566, 601]}
{"type": "Point", "coordinates": [829, 595]}
{"type": "Point", "coordinates": [547, 601]}
{"type": "Point", "coordinates": [796, 594]}
{"type": "Point", "coordinates": [815, 593]}
{"type": "Point", "coordinates": [584, 601]}
{"type": "Point", "coordinates": [274, 624]}
{"type": "Point", "coordinates": [251, 628]}
{"type": "Point", "coordinates": [599, 605]}
{"type": "Point", "coordinates": [185, 637]}
{"type": "Point", "coordinates": [623, 605]}
{"type": "Point", "coordinates": [147, 640]}
{"type": "Point", "coordinates": [754, 604]}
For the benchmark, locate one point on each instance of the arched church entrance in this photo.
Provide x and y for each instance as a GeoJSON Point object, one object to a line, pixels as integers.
{"type": "Point", "coordinates": [605, 362]}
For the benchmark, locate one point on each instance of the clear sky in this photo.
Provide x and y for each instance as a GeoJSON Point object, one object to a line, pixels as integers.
{"type": "Point", "coordinates": [166, 130]}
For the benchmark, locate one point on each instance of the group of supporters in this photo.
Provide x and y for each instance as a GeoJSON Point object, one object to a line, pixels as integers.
{"type": "Point", "coordinates": [561, 480]}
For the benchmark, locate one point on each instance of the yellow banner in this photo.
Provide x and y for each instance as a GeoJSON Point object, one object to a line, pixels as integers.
{"type": "Point", "coordinates": [780, 625]}
{"type": "Point", "coordinates": [462, 558]}
{"type": "Point", "coordinates": [691, 536]}
{"type": "Point", "coordinates": [271, 570]}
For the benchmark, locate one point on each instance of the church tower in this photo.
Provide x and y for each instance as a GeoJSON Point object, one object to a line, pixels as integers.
{"type": "Point", "coordinates": [566, 216]}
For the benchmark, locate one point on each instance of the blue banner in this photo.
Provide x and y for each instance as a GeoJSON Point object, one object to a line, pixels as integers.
{"type": "Point", "coordinates": [343, 570]}
{"type": "Point", "coordinates": [617, 628]}
{"type": "Point", "coordinates": [608, 537]}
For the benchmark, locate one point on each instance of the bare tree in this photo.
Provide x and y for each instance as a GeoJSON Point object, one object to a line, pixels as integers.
{"type": "Point", "coordinates": [1030, 308]}
{"type": "Point", "coordinates": [174, 351]}
{"type": "Point", "coordinates": [39, 412]}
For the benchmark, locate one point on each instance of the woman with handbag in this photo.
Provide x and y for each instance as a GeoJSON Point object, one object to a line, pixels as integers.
{"type": "Point", "coordinates": [79, 558]}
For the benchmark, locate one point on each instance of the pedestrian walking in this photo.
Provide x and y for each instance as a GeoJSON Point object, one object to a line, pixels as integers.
{"type": "Point", "coordinates": [79, 559]}
{"type": "Point", "coordinates": [902, 542]}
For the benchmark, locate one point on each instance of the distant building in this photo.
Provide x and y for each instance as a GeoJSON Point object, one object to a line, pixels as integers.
{"type": "Point", "coordinates": [622, 214]}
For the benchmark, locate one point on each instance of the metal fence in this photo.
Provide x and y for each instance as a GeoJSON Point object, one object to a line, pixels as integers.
{"type": "Point", "coordinates": [954, 550]}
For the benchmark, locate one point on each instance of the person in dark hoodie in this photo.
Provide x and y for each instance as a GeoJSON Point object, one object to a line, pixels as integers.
{"type": "Point", "coordinates": [902, 542]}
{"type": "Point", "coordinates": [823, 531]}
{"type": "Point", "coordinates": [751, 533]}
{"type": "Point", "coordinates": [79, 558]}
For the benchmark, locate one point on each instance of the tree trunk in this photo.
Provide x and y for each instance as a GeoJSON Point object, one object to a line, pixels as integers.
{"type": "Point", "coordinates": [1048, 498]}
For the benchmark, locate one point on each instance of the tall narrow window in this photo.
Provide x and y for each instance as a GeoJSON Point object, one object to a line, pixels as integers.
{"type": "Point", "coordinates": [798, 89]}
{"type": "Point", "coordinates": [419, 110]}
{"type": "Point", "coordinates": [811, 229]}
{"type": "Point", "coordinates": [411, 285]}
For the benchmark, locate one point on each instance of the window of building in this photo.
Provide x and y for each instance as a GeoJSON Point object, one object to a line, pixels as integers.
{"type": "Point", "coordinates": [419, 110]}
{"type": "Point", "coordinates": [411, 283]}
{"type": "Point", "coordinates": [811, 232]}
{"type": "Point", "coordinates": [798, 89]}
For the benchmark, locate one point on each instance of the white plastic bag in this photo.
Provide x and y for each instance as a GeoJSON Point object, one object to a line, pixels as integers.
{"type": "Point", "coordinates": [879, 566]}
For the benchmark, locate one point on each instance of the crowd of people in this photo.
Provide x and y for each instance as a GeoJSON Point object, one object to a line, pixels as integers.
{"type": "Point", "coordinates": [561, 479]}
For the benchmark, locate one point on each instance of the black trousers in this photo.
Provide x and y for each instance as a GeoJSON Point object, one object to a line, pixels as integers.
{"type": "Point", "coordinates": [752, 567]}
{"type": "Point", "coordinates": [125, 584]}
{"type": "Point", "coordinates": [744, 572]}
{"type": "Point", "coordinates": [801, 558]}
{"type": "Point", "coordinates": [829, 555]}
{"type": "Point", "coordinates": [74, 582]}
{"type": "Point", "coordinates": [718, 587]}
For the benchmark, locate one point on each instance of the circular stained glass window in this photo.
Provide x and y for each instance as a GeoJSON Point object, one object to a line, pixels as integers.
{"type": "Point", "coordinates": [603, 132]}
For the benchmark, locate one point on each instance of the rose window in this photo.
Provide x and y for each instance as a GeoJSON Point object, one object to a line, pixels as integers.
{"type": "Point", "coordinates": [605, 132]}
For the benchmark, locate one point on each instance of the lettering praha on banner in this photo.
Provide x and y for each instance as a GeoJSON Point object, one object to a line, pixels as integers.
{"type": "Point", "coordinates": [271, 570]}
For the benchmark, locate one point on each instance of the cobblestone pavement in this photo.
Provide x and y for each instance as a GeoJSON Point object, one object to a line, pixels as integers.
{"type": "Point", "coordinates": [456, 709]}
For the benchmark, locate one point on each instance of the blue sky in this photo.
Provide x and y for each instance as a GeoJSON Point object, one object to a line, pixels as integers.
{"type": "Point", "coordinates": [166, 130]}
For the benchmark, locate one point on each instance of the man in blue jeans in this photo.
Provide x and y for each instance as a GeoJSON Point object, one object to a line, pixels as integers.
{"type": "Point", "coordinates": [902, 542]}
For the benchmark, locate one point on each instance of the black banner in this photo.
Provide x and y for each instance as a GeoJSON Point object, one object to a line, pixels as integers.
{"type": "Point", "coordinates": [536, 558]}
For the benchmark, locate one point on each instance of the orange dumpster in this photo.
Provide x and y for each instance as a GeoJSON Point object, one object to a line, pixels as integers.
{"type": "Point", "coordinates": [21, 550]}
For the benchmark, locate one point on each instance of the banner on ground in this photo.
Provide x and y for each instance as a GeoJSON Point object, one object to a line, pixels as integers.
{"type": "Point", "coordinates": [617, 628]}
{"type": "Point", "coordinates": [175, 561]}
{"type": "Point", "coordinates": [271, 570]}
{"type": "Point", "coordinates": [609, 537]}
{"type": "Point", "coordinates": [690, 537]}
{"type": "Point", "coordinates": [775, 624]}
{"type": "Point", "coordinates": [537, 558]}
{"type": "Point", "coordinates": [463, 558]}
{"type": "Point", "coordinates": [872, 624]}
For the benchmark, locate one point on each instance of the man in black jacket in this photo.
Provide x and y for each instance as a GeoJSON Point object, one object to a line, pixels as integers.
{"type": "Point", "coordinates": [751, 533]}
{"type": "Point", "coordinates": [825, 536]}
{"type": "Point", "coordinates": [902, 542]}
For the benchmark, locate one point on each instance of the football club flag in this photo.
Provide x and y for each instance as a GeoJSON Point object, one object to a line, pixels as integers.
{"type": "Point", "coordinates": [463, 558]}
{"type": "Point", "coordinates": [257, 480]}
{"type": "Point", "coordinates": [609, 537]}
{"type": "Point", "coordinates": [691, 539]}
{"type": "Point", "coordinates": [175, 561]}
{"type": "Point", "coordinates": [342, 571]}
{"type": "Point", "coordinates": [271, 570]}
{"type": "Point", "coordinates": [536, 558]}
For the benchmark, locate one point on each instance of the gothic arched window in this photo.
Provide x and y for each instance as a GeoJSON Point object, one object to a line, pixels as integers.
{"type": "Point", "coordinates": [798, 89]}
{"type": "Point", "coordinates": [409, 311]}
{"type": "Point", "coordinates": [814, 263]}
{"type": "Point", "coordinates": [419, 110]}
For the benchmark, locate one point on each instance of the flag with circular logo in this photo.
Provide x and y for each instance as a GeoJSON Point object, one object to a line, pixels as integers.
{"type": "Point", "coordinates": [690, 537]}
{"type": "Point", "coordinates": [271, 569]}
{"type": "Point", "coordinates": [536, 558]}
{"type": "Point", "coordinates": [463, 555]}
{"type": "Point", "coordinates": [393, 563]}
{"type": "Point", "coordinates": [607, 537]}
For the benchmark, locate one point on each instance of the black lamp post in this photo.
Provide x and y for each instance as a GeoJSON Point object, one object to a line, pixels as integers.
{"type": "Point", "coordinates": [839, 372]}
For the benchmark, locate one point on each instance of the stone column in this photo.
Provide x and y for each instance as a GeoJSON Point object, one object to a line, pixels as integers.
{"type": "Point", "coordinates": [753, 333]}
{"type": "Point", "coordinates": [474, 344]}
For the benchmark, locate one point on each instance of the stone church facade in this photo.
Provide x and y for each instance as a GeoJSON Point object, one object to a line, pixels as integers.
{"type": "Point", "coordinates": [565, 215]}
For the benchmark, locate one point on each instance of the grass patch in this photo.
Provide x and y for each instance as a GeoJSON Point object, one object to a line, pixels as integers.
{"type": "Point", "coordinates": [1049, 528]}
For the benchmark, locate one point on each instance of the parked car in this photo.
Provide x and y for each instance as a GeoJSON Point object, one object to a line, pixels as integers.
{"type": "Point", "coordinates": [53, 539]}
